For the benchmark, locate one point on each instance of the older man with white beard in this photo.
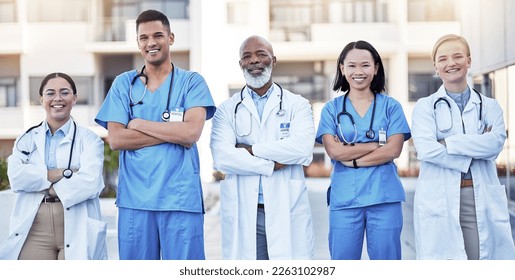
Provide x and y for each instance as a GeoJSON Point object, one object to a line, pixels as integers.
{"type": "Point", "coordinates": [261, 138]}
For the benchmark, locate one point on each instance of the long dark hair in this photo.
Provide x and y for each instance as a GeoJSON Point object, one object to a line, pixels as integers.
{"type": "Point", "coordinates": [378, 83]}
{"type": "Point", "coordinates": [57, 75]}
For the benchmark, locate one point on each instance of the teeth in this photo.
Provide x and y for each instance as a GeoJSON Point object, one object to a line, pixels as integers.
{"type": "Point", "coordinates": [153, 51]}
{"type": "Point", "coordinates": [359, 79]}
{"type": "Point", "coordinates": [58, 106]}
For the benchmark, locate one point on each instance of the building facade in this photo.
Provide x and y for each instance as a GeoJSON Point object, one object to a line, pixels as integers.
{"type": "Point", "coordinates": [95, 40]}
{"type": "Point", "coordinates": [490, 28]}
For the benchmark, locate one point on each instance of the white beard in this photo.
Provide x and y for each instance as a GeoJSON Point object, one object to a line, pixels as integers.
{"type": "Point", "coordinates": [259, 81]}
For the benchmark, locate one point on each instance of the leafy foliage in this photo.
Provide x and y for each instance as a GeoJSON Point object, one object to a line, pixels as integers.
{"type": "Point", "coordinates": [4, 181]}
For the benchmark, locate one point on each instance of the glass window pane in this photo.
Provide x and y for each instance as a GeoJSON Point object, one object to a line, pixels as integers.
{"type": "Point", "coordinates": [178, 9]}
{"type": "Point", "coordinates": [422, 85]}
{"type": "Point", "coordinates": [58, 10]}
{"type": "Point", "coordinates": [7, 11]}
{"type": "Point", "coordinates": [8, 96]}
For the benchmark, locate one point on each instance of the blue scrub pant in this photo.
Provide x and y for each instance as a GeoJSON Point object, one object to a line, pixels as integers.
{"type": "Point", "coordinates": [154, 235]}
{"type": "Point", "coordinates": [382, 224]}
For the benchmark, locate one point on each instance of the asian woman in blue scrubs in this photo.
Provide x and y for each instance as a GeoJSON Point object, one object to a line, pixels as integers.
{"type": "Point", "coordinates": [363, 131]}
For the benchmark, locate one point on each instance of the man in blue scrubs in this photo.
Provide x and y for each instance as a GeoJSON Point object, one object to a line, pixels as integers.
{"type": "Point", "coordinates": [154, 117]}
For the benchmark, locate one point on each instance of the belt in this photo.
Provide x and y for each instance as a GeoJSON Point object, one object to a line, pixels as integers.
{"type": "Point", "coordinates": [466, 183]}
{"type": "Point", "coordinates": [50, 199]}
{"type": "Point", "coordinates": [261, 206]}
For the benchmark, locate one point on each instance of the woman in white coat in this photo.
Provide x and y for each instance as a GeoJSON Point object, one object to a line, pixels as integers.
{"type": "Point", "coordinates": [262, 148]}
{"type": "Point", "coordinates": [56, 172]}
{"type": "Point", "coordinates": [460, 209]}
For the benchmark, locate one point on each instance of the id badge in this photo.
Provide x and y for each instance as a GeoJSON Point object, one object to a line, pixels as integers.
{"type": "Point", "coordinates": [285, 130]}
{"type": "Point", "coordinates": [176, 114]}
{"type": "Point", "coordinates": [382, 137]}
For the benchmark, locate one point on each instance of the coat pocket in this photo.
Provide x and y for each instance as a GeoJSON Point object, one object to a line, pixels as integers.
{"type": "Point", "coordinates": [97, 231]}
{"type": "Point", "coordinates": [229, 197]}
{"type": "Point", "coordinates": [431, 199]}
{"type": "Point", "coordinates": [496, 203]}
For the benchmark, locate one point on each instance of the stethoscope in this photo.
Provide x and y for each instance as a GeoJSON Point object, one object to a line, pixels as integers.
{"type": "Point", "coordinates": [281, 112]}
{"type": "Point", "coordinates": [444, 99]}
{"type": "Point", "coordinates": [68, 172]}
{"type": "Point", "coordinates": [165, 116]}
{"type": "Point", "coordinates": [370, 133]}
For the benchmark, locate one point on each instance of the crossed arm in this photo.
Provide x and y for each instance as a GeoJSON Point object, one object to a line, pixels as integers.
{"type": "Point", "coordinates": [277, 165]}
{"type": "Point", "coordinates": [140, 133]}
{"type": "Point", "coordinates": [365, 154]}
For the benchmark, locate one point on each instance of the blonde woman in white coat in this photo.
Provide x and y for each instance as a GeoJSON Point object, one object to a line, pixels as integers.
{"type": "Point", "coordinates": [460, 209]}
{"type": "Point", "coordinates": [56, 172]}
{"type": "Point", "coordinates": [262, 148]}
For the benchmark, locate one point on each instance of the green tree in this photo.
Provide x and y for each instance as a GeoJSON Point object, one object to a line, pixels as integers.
{"type": "Point", "coordinates": [110, 171]}
{"type": "Point", "coordinates": [4, 181]}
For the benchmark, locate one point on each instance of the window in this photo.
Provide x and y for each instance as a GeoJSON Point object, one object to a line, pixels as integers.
{"type": "Point", "coordinates": [117, 12]}
{"type": "Point", "coordinates": [8, 96]}
{"type": "Point", "coordinates": [366, 11]}
{"type": "Point", "coordinates": [237, 13]}
{"type": "Point", "coordinates": [310, 87]}
{"type": "Point", "coordinates": [7, 11]}
{"type": "Point", "coordinates": [84, 90]}
{"type": "Point", "coordinates": [290, 20]}
{"type": "Point", "coordinates": [422, 85]}
{"type": "Point", "coordinates": [432, 10]}
{"type": "Point", "coordinates": [173, 9]}
{"type": "Point", "coordinates": [58, 10]}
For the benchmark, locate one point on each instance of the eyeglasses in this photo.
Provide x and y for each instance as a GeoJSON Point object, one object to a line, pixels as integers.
{"type": "Point", "coordinates": [51, 94]}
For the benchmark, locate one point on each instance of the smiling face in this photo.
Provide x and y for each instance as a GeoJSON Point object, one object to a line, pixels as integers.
{"type": "Point", "coordinates": [359, 69]}
{"type": "Point", "coordinates": [257, 61]}
{"type": "Point", "coordinates": [154, 41]}
{"type": "Point", "coordinates": [58, 99]}
{"type": "Point", "coordinates": [451, 62]}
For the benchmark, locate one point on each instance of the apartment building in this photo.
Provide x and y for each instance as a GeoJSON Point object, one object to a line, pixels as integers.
{"type": "Point", "coordinates": [490, 28]}
{"type": "Point", "coordinates": [95, 40]}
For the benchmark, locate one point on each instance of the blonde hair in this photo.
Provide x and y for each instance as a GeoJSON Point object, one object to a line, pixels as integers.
{"type": "Point", "coordinates": [447, 38]}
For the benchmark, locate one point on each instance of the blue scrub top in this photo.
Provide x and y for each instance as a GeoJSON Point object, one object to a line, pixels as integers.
{"type": "Point", "coordinates": [364, 186]}
{"type": "Point", "coordinates": [162, 177]}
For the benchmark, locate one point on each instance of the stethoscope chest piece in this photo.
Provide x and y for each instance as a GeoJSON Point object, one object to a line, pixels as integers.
{"type": "Point", "coordinates": [370, 134]}
{"type": "Point", "coordinates": [67, 173]}
{"type": "Point", "coordinates": [165, 116]}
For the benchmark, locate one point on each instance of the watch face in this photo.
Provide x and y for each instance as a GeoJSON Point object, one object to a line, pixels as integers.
{"type": "Point", "coordinates": [67, 173]}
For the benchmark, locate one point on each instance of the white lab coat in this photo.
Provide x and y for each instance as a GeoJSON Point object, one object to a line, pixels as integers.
{"type": "Point", "coordinates": [84, 230]}
{"type": "Point", "coordinates": [289, 226]}
{"type": "Point", "coordinates": [438, 233]}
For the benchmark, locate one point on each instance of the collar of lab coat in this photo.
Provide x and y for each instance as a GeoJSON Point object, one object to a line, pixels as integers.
{"type": "Point", "coordinates": [473, 101]}
{"type": "Point", "coordinates": [270, 107]}
{"type": "Point", "coordinates": [40, 134]}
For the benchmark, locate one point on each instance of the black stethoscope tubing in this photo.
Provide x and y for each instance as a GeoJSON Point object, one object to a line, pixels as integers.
{"type": "Point", "coordinates": [370, 133]}
{"type": "Point", "coordinates": [444, 99]}
{"type": "Point", "coordinates": [280, 112]}
{"type": "Point", "coordinates": [165, 116]}
{"type": "Point", "coordinates": [68, 172]}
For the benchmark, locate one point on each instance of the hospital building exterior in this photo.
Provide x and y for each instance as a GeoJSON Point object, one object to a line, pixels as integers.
{"type": "Point", "coordinates": [95, 40]}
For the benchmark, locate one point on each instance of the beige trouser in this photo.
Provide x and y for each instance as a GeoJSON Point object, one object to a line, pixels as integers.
{"type": "Point", "coordinates": [46, 236]}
